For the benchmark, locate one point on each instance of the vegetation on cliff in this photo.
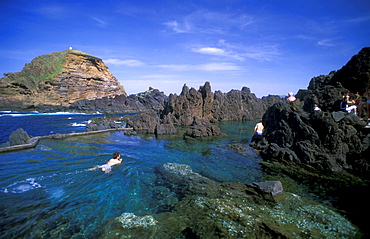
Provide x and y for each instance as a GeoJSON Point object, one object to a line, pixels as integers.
{"type": "Point", "coordinates": [58, 79]}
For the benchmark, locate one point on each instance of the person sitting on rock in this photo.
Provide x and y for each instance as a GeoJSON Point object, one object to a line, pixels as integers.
{"type": "Point", "coordinates": [347, 104]}
{"type": "Point", "coordinates": [291, 97]}
{"type": "Point", "coordinates": [258, 129]}
{"type": "Point", "coordinates": [316, 108]}
{"type": "Point", "coordinates": [359, 104]}
{"type": "Point", "coordinates": [108, 166]}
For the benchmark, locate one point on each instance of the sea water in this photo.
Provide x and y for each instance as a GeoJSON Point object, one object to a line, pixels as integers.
{"type": "Point", "coordinates": [48, 191]}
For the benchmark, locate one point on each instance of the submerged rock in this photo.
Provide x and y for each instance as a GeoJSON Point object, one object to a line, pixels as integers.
{"type": "Point", "coordinates": [205, 209]}
{"type": "Point", "coordinates": [130, 220]}
{"type": "Point", "coordinates": [130, 225]}
{"type": "Point", "coordinates": [272, 187]}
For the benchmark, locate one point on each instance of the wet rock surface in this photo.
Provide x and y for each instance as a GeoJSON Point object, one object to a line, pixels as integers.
{"type": "Point", "coordinates": [200, 208]}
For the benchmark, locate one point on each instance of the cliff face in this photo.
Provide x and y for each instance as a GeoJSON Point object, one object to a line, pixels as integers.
{"type": "Point", "coordinates": [58, 79]}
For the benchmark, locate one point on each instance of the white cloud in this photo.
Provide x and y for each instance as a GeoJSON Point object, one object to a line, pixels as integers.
{"type": "Point", "coordinates": [124, 62]}
{"type": "Point", "coordinates": [99, 22]}
{"type": "Point", "coordinates": [219, 66]}
{"type": "Point", "coordinates": [210, 51]}
{"type": "Point", "coordinates": [177, 67]}
{"type": "Point", "coordinates": [325, 42]}
{"type": "Point", "coordinates": [175, 26]}
{"type": "Point", "coordinates": [218, 52]}
{"type": "Point", "coordinates": [260, 52]}
{"type": "Point", "coordinates": [214, 66]}
{"type": "Point", "coordinates": [208, 22]}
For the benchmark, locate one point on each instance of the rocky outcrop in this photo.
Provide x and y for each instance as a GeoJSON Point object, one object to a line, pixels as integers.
{"type": "Point", "coordinates": [326, 150]}
{"type": "Point", "coordinates": [355, 75]}
{"type": "Point", "coordinates": [151, 100]}
{"type": "Point", "coordinates": [202, 128]}
{"type": "Point", "coordinates": [328, 139]}
{"type": "Point", "coordinates": [214, 107]}
{"type": "Point", "coordinates": [322, 140]}
{"type": "Point", "coordinates": [143, 122]}
{"type": "Point", "coordinates": [19, 137]}
{"type": "Point", "coordinates": [327, 90]}
{"type": "Point", "coordinates": [196, 109]}
{"type": "Point", "coordinates": [102, 124]}
{"type": "Point", "coordinates": [151, 124]}
{"type": "Point", "coordinates": [57, 80]}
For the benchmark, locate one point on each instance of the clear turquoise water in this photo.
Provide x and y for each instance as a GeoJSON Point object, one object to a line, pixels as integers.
{"type": "Point", "coordinates": [47, 192]}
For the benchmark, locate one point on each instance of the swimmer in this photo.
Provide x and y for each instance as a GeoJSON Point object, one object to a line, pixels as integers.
{"type": "Point", "coordinates": [116, 159]}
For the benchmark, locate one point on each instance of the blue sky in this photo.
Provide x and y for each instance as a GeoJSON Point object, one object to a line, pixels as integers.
{"type": "Point", "coordinates": [272, 47]}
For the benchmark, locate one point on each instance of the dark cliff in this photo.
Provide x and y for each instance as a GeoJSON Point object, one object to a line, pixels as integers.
{"type": "Point", "coordinates": [327, 150]}
{"type": "Point", "coordinates": [57, 80]}
{"type": "Point", "coordinates": [327, 90]}
{"type": "Point", "coordinates": [329, 139]}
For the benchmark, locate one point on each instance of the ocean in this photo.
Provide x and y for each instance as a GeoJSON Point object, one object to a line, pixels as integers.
{"type": "Point", "coordinates": [48, 191]}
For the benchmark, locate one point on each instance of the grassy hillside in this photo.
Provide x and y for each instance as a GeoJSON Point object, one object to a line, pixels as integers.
{"type": "Point", "coordinates": [37, 75]}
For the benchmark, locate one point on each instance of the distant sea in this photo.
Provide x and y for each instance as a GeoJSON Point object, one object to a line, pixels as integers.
{"type": "Point", "coordinates": [47, 191]}
{"type": "Point", "coordinates": [40, 124]}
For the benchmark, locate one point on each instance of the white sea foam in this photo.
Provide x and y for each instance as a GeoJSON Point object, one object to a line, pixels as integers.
{"type": "Point", "coordinates": [78, 124]}
{"type": "Point", "coordinates": [21, 186]}
{"type": "Point", "coordinates": [34, 113]}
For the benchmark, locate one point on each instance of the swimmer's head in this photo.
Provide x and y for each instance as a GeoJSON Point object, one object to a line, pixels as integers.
{"type": "Point", "coordinates": [116, 155]}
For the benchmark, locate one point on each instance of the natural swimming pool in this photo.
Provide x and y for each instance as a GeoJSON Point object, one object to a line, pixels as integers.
{"type": "Point", "coordinates": [47, 192]}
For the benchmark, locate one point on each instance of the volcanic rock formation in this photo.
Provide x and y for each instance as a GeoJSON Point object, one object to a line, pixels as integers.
{"type": "Point", "coordinates": [58, 79]}
{"type": "Point", "coordinates": [327, 90]}
{"type": "Point", "coordinates": [198, 109]}
{"type": "Point", "coordinates": [327, 150]}
{"type": "Point", "coordinates": [329, 139]}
